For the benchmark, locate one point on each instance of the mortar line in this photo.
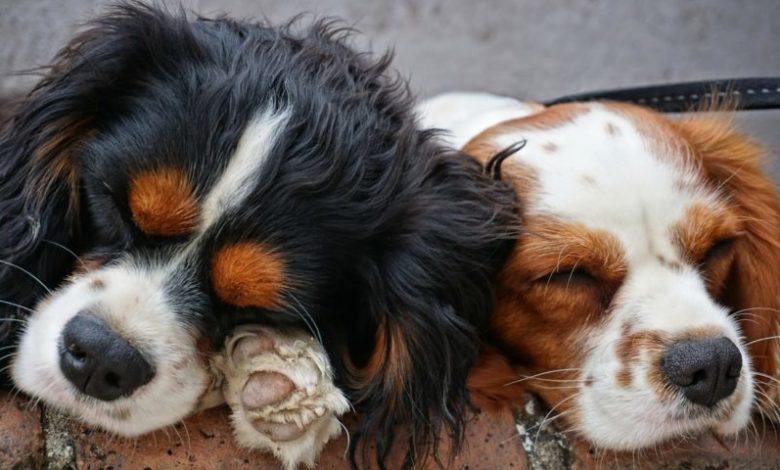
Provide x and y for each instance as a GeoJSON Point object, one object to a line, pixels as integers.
{"type": "Point", "coordinates": [58, 445]}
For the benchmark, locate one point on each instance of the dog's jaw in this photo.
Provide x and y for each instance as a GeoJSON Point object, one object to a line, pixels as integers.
{"type": "Point", "coordinates": [131, 302]}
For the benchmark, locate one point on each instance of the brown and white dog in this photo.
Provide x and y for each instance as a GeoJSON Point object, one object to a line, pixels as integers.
{"type": "Point", "coordinates": [641, 299]}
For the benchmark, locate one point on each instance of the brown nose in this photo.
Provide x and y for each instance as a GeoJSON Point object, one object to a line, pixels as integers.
{"type": "Point", "coordinates": [705, 371]}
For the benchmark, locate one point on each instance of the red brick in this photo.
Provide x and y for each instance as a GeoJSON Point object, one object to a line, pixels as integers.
{"type": "Point", "coordinates": [205, 441]}
{"type": "Point", "coordinates": [21, 440]}
{"type": "Point", "coordinates": [491, 443]}
{"type": "Point", "coordinates": [759, 451]}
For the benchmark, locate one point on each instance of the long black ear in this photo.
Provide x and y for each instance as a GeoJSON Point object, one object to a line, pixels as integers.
{"type": "Point", "coordinates": [431, 294]}
{"type": "Point", "coordinates": [40, 169]}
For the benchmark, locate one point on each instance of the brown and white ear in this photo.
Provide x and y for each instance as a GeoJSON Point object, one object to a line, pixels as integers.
{"type": "Point", "coordinates": [492, 382]}
{"type": "Point", "coordinates": [735, 164]}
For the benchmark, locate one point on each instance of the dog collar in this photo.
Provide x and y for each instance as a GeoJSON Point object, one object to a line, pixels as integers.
{"type": "Point", "coordinates": [748, 93]}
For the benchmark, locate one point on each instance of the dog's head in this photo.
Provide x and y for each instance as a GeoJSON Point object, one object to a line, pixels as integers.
{"type": "Point", "coordinates": [171, 179]}
{"type": "Point", "coordinates": [642, 297]}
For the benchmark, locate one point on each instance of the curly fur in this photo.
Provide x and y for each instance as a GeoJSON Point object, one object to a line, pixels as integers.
{"type": "Point", "coordinates": [391, 240]}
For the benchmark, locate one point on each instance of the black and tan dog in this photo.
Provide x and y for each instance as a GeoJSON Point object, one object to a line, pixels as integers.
{"type": "Point", "coordinates": [170, 180]}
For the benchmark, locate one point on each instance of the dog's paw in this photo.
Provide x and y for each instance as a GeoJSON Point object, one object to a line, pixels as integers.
{"type": "Point", "coordinates": [281, 393]}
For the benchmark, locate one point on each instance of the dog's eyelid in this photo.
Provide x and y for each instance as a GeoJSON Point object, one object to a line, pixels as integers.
{"type": "Point", "coordinates": [718, 248]}
{"type": "Point", "coordinates": [566, 275]}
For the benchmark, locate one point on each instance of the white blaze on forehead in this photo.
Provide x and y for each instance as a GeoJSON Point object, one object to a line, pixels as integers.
{"type": "Point", "coordinates": [237, 180]}
{"type": "Point", "coordinates": [600, 171]}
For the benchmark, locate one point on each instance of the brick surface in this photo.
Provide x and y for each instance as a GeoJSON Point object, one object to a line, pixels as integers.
{"type": "Point", "coordinates": [492, 442]}
{"type": "Point", "coordinates": [205, 442]}
{"type": "Point", "coordinates": [21, 440]}
{"type": "Point", "coordinates": [202, 441]}
{"type": "Point", "coordinates": [758, 450]}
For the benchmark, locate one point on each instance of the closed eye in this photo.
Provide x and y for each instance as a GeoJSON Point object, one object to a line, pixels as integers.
{"type": "Point", "coordinates": [718, 251]}
{"type": "Point", "coordinates": [571, 277]}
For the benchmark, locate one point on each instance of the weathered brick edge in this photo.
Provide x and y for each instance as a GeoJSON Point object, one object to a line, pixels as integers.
{"type": "Point", "coordinates": [60, 452]}
{"type": "Point", "coordinates": [30, 438]}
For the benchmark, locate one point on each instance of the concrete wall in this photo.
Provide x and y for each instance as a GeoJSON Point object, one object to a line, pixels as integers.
{"type": "Point", "coordinates": [535, 49]}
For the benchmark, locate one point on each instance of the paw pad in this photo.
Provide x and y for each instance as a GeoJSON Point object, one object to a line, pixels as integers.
{"type": "Point", "coordinates": [265, 388]}
{"type": "Point", "coordinates": [280, 390]}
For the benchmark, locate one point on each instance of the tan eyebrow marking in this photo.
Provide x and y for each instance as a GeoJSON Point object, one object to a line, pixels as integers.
{"type": "Point", "coordinates": [700, 228]}
{"type": "Point", "coordinates": [248, 275]}
{"type": "Point", "coordinates": [163, 203]}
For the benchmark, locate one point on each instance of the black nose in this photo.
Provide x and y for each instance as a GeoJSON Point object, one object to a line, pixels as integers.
{"type": "Point", "coordinates": [100, 363]}
{"type": "Point", "coordinates": [706, 371]}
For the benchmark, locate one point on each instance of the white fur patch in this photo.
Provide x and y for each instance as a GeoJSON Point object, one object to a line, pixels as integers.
{"type": "Point", "coordinates": [236, 181]}
{"type": "Point", "coordinates": [464, 115]}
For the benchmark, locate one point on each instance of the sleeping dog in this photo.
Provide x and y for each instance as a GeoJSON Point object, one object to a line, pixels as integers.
{"type": "Point", "coordinates": [169, 181]}
{"type": "Point", "coordinates": [642, 298]}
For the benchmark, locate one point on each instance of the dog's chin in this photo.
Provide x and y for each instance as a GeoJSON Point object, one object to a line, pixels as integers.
{"type": "Point", "coordinates": [632, 423]}
{"type": "Point", "coordinates": [150, 408]}
{"type": "Point", "coordinates": [179, 382]}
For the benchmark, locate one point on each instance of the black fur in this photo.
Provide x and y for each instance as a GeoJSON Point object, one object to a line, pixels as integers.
{"type": "Point", "coordinates": [381, 226]}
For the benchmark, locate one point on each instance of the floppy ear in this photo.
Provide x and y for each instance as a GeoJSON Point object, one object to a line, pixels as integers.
{"type": "Point", "coordinates": [753, 290]}
{"type": "Point", "coordinates": [40, 198]}
{"type": "Point", "coordinates": [431, 293]}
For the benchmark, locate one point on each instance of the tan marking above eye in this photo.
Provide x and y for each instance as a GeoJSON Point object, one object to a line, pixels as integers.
{"type": "Point", "coordinates": [701, 228]}
{"type": "Point", "coordinates": [163, 203]}
{"type": "Point", "coordinates": [248, 275]}
{"type": "Point", "coordinates": [549, 245]}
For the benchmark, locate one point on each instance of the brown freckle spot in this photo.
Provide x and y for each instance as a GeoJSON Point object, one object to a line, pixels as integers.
{"type": "Point", "coordinates": [163, 203]}
{"type": "Point", "coordinates": [630, 348]}
{"type": "Point", "coordinates": [589, 180]}
{"type": "Point", "coordinates": [248, 275]}
{"type": "Point", "coordinates": [97, 284]}
{"type": "Point", "coordinates": [550, 147]}
{"type": "Point", "coordinates": [624, 377]}
{"type": "Point", "coordinates": [612, 129]}
{"type": "Point", "coordinates": [588, 381]}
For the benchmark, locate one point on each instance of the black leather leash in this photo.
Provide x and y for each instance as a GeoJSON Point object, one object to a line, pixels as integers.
{"type": "Point", "coordinates": [747, 93]}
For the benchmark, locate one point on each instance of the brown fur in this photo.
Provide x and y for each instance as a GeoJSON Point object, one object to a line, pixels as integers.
{"type": "Point", "coordinates": [534, 322]}
{"type": "Point", "coordinates": [545, 119]}
{"type": "Point", "coordinates": [162, 203]}
{"type": "Point", "coordinates": [389, 362]}
{"type": "Point", "coordinates": [701, 228]}
{"type": "Point", "coordinates": [54, 161]}
{"type": "Point", "coordinates": [494, 383]}
{"type": "Point", "coordinates": [248, 275]}
{"type": "Point", "coordinates": [732, 163]}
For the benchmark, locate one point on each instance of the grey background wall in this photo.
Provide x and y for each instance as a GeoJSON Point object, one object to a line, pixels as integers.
{"type": "Point", "coordinates": [535, 49]}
